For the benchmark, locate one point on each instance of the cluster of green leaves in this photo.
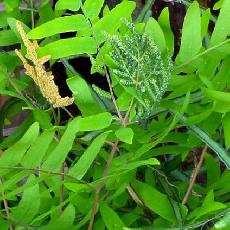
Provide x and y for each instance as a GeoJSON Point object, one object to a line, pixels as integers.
{"type": "Point", "coordinates": [100, 167]}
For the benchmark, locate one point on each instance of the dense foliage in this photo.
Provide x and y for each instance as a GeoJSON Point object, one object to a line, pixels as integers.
{"type": "Point", "coordinates": [145, 149]}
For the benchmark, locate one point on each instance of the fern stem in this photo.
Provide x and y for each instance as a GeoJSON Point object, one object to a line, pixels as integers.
{"type": "Point", "coordinates": [194, 175]}
{"type": "Point", "coordinates": [32, 14]}
{"type": "Point", "coordinates": [112, 95]}
{"type": "Point", "coordinates": [62, 198]}
{"type": "Point", "coordinates": [102, 184]}
{"type": "Point", "coordinates": [24, 98]}
{"type": "Point", "coordinates": [106, 170]}
{"type": "Point", "coordinates": [202, 54]}
{"type": "Point", "coordinates": [5, 203]}
{"type": "Point", "coordinates": [50, 173]}
{"type": "Point", "coordinates": [69, 67]}
{"type": "Point", "coordinates": [145, 10]}
{"type": "Point", "coordinates": [128, 111]}
{"type": "Point", "coordinates": [68, 112]}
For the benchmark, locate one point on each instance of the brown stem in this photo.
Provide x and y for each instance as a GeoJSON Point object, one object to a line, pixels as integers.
{"type": "Point", "coordinates": [112, 95]}
{"type": "Point", "coordinates": [102, 184]}
{"type": "Point", "coordinates": [68, 112]}
{"type": "Point", "coordinates": [194, 175]}
{"type": "Point", "coordinates": [106, 170]}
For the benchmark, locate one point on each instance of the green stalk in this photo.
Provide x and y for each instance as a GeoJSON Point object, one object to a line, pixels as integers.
{"type": "Point", "coordinates": [147, 7]}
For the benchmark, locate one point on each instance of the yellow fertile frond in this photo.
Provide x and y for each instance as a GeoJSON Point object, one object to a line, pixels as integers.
{"type": "Point", "coordinates": [44, 80]}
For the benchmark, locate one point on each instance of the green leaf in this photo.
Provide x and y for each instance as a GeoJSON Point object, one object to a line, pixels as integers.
{"type": "Point", "coordinates": [110, 218]}
{"type": "Point", "coordinates": [29, 205]}
{"type": "Point", "coordinates": [43, 118]}
{"type": "Point", "coordinates": [191, 40]}
{"type": "Point", "coordinates": [13, 155]}
{"type": "Point", "coordinates": [46, 13]}
{"type": "Point", "coordinates": [7, 37]}
{"type": "Point", "coordinates": [112, 21]}
{"type": "Point", "coordinates": [226, 126]}
{"type": "Point", "coordinates": [11, 5]}
{"type": "Point", "coordinates": [16, 178]}
{"type": "Point", "coordinates": [125, 135]}
{"type": "Point", "coordinates": [96, 122]}
{"type": "Point", "coordinates": [208, 206]}
{"type": "Point", "coordinates": [218, 95]}
{"type": "Point", "coordinates": [213, 169]}
{"type": "Point", "coordinates": [213, 54]}
{"type": "Point", "coordinates": [7, 63]}
{"type": "Point", "coordinates": [177, 116]}
{"type": "Point", "coordinates": [87, 158]}
{"type": "Point", "coordinates": [68, 47]}
{"type": "Point", "coordinates": [92, 8]}
{"type": "Point", "coordinates": [59, 25]}
{"type": "Point", "coordinates": [222, 27]}
{"type": "Point", "coordinates": [76, 187]}
{"type": "Point", "coordinates": [218, 5]}
{"type": "Point", "coordinates": [63, 222]}
{"type": "Point", "coordinates": [221, 78]}
{"type": "Point", "coordinates": [73, 5]}
{"type": "Point", "coordinates": [224, 223]}
{"type": "Point", "coordinates": [205, 22]}
{"type": "Point", "coordinates": [154, 200]}
{"type": "Point", "coordinates": [169, 149]}
{"type": "Point", "coordinates": [164, 22]}
{"type": "Point", "coordinates": [5, 224]}
{"type": "Point", "coordinates": [12, 23]}
{"type": "Point", "coordinates": [5, 108]}
{"type": "Point", "coordinates": [197, 118]}
{"type": "Point", "coordinates": [128, 166]}
{"type": "Point", "coordinates": [83, 96]}
{"type": "Point", "coordinates": [216, 147]}
{"type": "Point", "coordinates": [3, 78]}
{"type": "Point", "coordinates": [35, 154]}
{"type": "Point", "coordinates": [123, 101]}
{"type": "Point", "coordinates": [58, 155]}
{"type": "Point", "coordinates": [154, 30]}
{"type": "Point", "coordinates": [18, 133]}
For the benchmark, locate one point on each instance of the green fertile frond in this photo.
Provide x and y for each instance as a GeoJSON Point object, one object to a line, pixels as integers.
{"type": "Point", "coordinates": [101, 92]}
{"type": "Point", "coordinates": [140, 65]}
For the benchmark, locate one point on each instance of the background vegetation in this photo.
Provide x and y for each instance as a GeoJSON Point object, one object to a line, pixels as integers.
{"type": "Point", "coordinates": [140, 141]}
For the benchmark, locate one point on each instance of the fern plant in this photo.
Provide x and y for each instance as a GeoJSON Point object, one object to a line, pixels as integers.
{"type": "Point", "coordinates": [98, 173]}
{"type": "Point", "coordinates": [139, 64]}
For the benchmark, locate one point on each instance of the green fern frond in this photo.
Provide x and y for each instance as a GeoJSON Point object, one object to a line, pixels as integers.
{"type": "Point", "coordinates": [101, 92]}
{"type": "Point", "coordinates": [140, 64]}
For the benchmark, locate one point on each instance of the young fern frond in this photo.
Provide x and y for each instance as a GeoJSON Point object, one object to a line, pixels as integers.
{"type": "Point", "coordinates": [140, 64]}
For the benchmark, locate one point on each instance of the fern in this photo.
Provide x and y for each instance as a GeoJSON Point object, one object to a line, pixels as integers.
{"type": "Point", "coordinates": [140, 64]}
{"type": "Point", "coordinates": [101, 92]}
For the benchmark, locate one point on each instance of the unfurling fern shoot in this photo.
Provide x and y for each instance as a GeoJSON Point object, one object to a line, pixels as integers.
{"type": "Point", "coordinates": [140, 65]}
